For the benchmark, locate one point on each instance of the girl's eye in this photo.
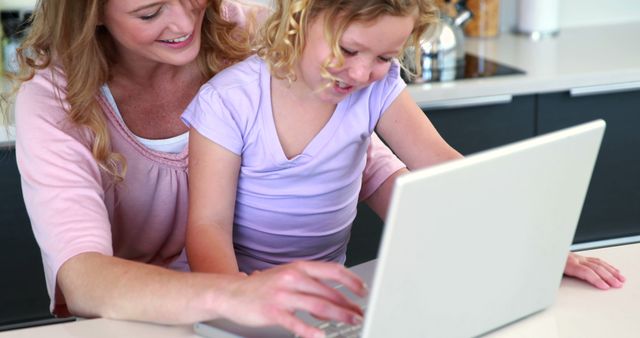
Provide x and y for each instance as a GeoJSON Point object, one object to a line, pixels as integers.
{"type": "Point", "coordinates": [348, 52]}
{"type": "Point", "coordinates": [384, 58]}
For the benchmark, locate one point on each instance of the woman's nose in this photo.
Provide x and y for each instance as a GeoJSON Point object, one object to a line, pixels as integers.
{"type": "Point", "coordinates": [183, 17]}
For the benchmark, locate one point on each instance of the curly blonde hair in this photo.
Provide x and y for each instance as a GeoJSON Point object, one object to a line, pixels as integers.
{"type": "Point", "coordinates": [283, 36]}
{"type": "Point", "coordinates": [68, 34]}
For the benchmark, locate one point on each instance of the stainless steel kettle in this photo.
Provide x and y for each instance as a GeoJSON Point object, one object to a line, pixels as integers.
{"type": "Point", "coordinates": [442, 46]}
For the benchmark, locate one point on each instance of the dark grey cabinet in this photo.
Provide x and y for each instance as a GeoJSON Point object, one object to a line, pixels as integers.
{"type": "Point", "coordinates": [365, 236]}
{"type": "Point", "coordinates": [612, 205]}
{"type": "Point", "coordinates": [24, 297]}
{"type": "Point", "coordinates": [472, 129]}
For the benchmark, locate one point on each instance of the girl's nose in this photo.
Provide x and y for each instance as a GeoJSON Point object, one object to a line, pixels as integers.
{"type": "Point", "coordinates": [360, 71]}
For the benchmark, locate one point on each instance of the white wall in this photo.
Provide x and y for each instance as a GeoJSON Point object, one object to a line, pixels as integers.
{"type": "Point", "coordinates": [264, 2]}
{"type": "Point", "coordinates": [590, 12]}
{"type": "Point", "coordinates": [572, 12]}
{"type": "Point", "coordinates": [27, 4]}
{"type": "Point", "coordinates": [17, 4]}
{"type": "Point", "coordinates": [575, 13]}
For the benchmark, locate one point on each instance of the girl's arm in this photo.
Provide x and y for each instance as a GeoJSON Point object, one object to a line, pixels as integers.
{"type": "Point", "coordinates": [593, 271]}
{"type": "Point", "coordinates": [213, 178]}
{"type": "Point", "coordinates": [412, 136]}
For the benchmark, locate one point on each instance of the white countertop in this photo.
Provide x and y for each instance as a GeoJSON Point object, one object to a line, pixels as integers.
{"type": "Point", "coordinates": [577, 57]}
{"type": "Point", "coordinates": [583, 311]}
{"type": "Point", "coordinates": [580, 310]}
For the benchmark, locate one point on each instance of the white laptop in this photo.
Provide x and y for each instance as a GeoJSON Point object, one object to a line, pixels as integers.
{"type": "Point", "coordinates": [474, 244]}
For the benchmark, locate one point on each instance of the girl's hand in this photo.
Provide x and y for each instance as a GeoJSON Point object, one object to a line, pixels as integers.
{"type": "Point", "coordinates": [594, 271]}
{"type": "Point", "coordinates": [270, 297]}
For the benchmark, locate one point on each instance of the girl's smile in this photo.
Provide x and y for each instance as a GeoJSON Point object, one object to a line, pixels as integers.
{"type": "Point", "coordinates": [342, 87]}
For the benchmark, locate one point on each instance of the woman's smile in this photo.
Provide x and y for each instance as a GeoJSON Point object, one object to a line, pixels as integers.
{"type": "Point", "coordinates": [179, 42]}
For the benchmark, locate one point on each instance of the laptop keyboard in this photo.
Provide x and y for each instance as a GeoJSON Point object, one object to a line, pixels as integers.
{"type": "Point", "coordinates": [334, 329]}
{"type": "Point", "coordinates": [340, 330]}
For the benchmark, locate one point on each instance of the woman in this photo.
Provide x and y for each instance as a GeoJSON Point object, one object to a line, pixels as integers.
{"type": "Point", "coordinates": [103, 159]}
{"type": "Point", "coordinates": [103, 162]}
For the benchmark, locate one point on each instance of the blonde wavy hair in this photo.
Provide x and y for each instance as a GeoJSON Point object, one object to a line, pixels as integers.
{"type": "Point", "coordinates": [282, 38]}
{"type": "Point", "coordinates": [67, 34]}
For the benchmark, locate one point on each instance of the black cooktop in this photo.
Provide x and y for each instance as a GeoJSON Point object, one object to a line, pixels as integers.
{"type": "Point", "coordinates": [472, 67]}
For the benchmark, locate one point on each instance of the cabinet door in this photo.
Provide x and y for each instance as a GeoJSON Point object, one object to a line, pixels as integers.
{"type": "Point", "coordinates": [612, 205]}
{"type": "Point", "coordinates": [472, 129]}
{"type": "Point", "coordinates": [24, 296]}
{"type": "Point", "coordinates": [366, 233]}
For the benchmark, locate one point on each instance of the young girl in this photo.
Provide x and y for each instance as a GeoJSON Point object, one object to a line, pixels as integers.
{"type": "Point", "coordinates": [278, 142]}
{"type": "Point", "coordinates": [279, 139]}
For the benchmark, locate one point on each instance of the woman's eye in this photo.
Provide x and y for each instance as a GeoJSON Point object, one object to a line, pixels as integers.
{"type": "Point", "coordinates": [348, 52]}
{"type": "Point", "coordinates": [150, 16]}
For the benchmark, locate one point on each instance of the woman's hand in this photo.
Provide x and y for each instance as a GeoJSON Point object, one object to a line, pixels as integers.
{"type": "Point", "coordinates": [270, 297]}
{"type": "Point", "coordinates": [594, 271]}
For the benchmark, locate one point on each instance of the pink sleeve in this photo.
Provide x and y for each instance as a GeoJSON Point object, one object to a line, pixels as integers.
{"type": "Point", "coordinates": [240, 12]}
{"type": "Point", "coordinates": [381, 163]}
{"type": "Point", "coordinates": [61, 182]}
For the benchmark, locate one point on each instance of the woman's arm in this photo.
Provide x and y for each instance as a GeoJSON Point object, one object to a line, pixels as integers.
{"type": "Point", "coordinates": [213, 177]}
{"type": "Point", "coordinates": [250, 16]}
{"type": "Point", "coordinates": [382, 168]}
{"type": "Point", "coordinates": [104, 286]}
{"type": "Point", "coordinates": [379, 200]}
{"type": "Point", "coordinates": [96, 285]}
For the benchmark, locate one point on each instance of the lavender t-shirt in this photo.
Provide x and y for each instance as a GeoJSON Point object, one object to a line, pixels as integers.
{"type": "Point", "coordinates": [298, 208]}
